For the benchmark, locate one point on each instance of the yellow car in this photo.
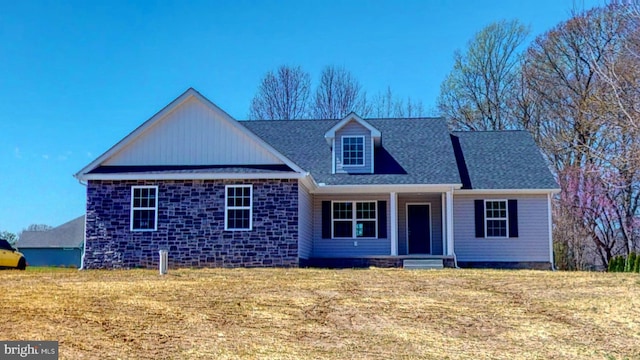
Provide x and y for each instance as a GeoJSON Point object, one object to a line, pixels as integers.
{"type": "Point", "coordinates": [10, 257]}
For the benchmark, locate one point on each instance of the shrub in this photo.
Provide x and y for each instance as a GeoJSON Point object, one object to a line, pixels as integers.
{"type": "Point", "coordinates": [636, 265]}
{"type": "Point", "coordinates": [615, 264]}
{"type": "Point", "coordinates": [621, 263]}
{"type": "Point", "coordinates": [630, 263]}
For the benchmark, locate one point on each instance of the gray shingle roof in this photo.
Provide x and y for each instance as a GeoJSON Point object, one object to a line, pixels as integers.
{"type": "Point", "coordinates": [413, 151]}
{"type": "Point", "coordinates": [67, 235]}
{"type": "Point", "coordinates": [502, 160]}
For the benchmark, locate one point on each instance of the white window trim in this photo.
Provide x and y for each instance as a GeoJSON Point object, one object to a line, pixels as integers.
{"type": "Point", "coordinates": [486, 219]}
{"type": "Point", "coordinates": [227, 208]}
{"type": "Point", "coordinates": [364, 150]}
{"type": "Point", "coordinates": [155, 209]}
{"type": "Point", "coordinates": [353, 219]}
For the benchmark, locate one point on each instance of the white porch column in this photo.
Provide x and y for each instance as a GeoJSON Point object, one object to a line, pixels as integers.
{"type": "Point", "coordinates": [449, 200]}
{"type": "Point", "coordinates": [443, 217]}
{"type": "Point", "coordinates": [393, 219]}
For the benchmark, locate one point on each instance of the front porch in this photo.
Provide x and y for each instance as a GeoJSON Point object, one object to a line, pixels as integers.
{"type": "Point", "coordinates": [413, 223]}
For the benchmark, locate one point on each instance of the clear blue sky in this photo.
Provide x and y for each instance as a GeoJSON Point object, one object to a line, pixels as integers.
{"type": "Point", "coordinates": [76, 77]}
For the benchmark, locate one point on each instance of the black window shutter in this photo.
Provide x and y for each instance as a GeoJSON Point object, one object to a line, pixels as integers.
{"type": "Point", "coordinates": [326, 219]}
{"type": "Point", "coordinates": [479, 205]}
{"type": "Point", "coordinates": [382, 219]}
{"type": "Point", "coordinates": [512, 208]}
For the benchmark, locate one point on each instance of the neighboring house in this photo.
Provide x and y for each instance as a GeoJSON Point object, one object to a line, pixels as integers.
{"type": "Point", "coordinates": [214, 191]}
{"type": "Point", "coordinates": [60, 246]}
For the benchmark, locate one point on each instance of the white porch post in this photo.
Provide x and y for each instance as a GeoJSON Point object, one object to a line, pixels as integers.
{"type": "Point", "coordinates": [443, 217]}
{"type": "Point", "coordinates": [393, 219]}
{"type": "Point", "coordinates": [449, 199]}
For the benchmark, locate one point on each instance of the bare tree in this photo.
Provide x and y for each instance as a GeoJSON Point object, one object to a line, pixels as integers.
{"type": "Point", "coordinates": [38, 227]}
{"type": "Point", "coordinates": [9, 236]}
{"type": "Point", "coordinates": [386, 105]}
{"type": "Point", "coordinates": [480, 91]}
{"type": "Point", "coordinates": [581, 127]}
{"type": "Point", "coordinates": [338, 94]}
{"type": "Point", "coordinates": [282, 95]}
{"type": "Point", "coordinates": [285, 95]}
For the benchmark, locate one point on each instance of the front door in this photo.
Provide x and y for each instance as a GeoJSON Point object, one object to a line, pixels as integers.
{"type": "Point", "coordinates": [419, 228]}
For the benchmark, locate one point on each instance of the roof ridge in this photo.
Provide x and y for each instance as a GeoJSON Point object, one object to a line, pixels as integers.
{"type": "Point", "coordinates": [488, 131]}
{"type": "Point", "coordinates": [329, 120]}
{"type": "Point", "coordinates": [291, 120]}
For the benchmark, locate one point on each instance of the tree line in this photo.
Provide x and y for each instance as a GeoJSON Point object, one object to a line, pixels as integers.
{"type": "Point", "coordinates": [286, 94]}
{"type": "Point", "coordinates": [575, 88]}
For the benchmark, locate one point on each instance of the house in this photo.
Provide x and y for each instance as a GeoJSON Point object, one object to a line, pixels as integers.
{"type": "Point", "coordinates": [60, 246]}
{"type": "Point", "coordinates": [216, 192]}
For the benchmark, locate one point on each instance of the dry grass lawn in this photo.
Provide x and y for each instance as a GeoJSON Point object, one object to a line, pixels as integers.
{"type": "Point", "coordinates": [334, 314]}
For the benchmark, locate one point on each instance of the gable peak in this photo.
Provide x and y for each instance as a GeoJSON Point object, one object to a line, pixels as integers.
{"type": "Point", "coordinates": [352, 116]}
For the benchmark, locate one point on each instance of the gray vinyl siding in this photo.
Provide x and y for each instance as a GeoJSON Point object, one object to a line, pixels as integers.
{"type": "Point", "coordinates": [435, 200]}
{"type": "Point", "coordinates": [345, 247]}
{"type": "Point", "coordinates": [353, 128]}
{"type": "Point", "coordinates": [305, 222]}
{"type": "Point", "coordinates": [532, 244]}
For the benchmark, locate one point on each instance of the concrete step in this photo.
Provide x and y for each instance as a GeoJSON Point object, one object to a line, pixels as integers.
{"type": "Point", "coordinates": [411, 264]}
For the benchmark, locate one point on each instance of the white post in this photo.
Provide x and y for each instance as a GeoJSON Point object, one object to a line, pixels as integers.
{"type": "Point", "coordinates": [164, 261]}
{"type": "Point", "coordinates": [443, 209]}
{"type": "Point", "coordinates": [393, 219]}
{"type": "Point", "coordinates": [449, 198]}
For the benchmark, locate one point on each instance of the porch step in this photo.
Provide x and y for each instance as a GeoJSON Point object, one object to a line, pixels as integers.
{"type": "Point", "coordinates": [411, 264]}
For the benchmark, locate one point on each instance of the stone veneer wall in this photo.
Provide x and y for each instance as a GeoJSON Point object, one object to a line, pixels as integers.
{"type": "Point", "coordinates": [191, 226]}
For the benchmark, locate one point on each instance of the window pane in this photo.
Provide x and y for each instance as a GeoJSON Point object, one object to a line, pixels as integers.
{"type": "Point", "coordinates": [238, 219]}
{"type": "Point", "coordinates": [353, 151]}
{"type": "Point", "coordinates": [152, 198]}
{"type": "Point", "coordinates": [496, 209]}
{"type": "Point", "coordinates": [496, 228]}
{"type": "Point", "coordinates": [342, 229]}
{"type": "Point", "coordinates": [144, 219]}
{"type": "Point", "coordinates": [366, 210]}
{"type": "Point", "coordinates": [366, 229]}
{"type": "Point", "coordinates": [342, 210]}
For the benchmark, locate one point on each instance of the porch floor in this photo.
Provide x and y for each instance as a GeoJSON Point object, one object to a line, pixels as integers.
{"type": "Point", "coordinates": [383, 261]}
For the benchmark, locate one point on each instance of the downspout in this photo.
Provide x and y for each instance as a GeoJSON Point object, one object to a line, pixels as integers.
{"type": "Point", "coordinates": [84, 240]}
{"type": "Point", "coordinates": [550, 213]}
{"type": "Point", "coordinates": [449, 227]}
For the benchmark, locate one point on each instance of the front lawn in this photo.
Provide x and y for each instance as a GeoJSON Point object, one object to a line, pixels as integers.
{"type": "Point", "coordinates": [334, 314]}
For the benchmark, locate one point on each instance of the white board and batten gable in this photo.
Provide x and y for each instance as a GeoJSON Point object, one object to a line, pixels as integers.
{"type": "Point", "coordinates": [358, 132]}
{"type": "Point", "coordinates": [190, 131]}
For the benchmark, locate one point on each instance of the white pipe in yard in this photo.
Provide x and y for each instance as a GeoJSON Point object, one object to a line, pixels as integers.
{"type": "Point", "coordinates": [164, 261]}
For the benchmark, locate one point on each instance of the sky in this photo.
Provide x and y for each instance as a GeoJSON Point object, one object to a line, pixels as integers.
{"type": "Point", "coordinates": [78, 76]}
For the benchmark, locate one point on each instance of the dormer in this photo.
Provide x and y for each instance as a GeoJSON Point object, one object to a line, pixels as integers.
{"type": "Point", "coordinates": [352, 142]}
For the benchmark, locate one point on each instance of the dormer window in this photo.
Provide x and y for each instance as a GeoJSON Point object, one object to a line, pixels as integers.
{"type": "Point", "coordinates": [353, 142]}
{"type": "Point", "coordinates": [353, 150]}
